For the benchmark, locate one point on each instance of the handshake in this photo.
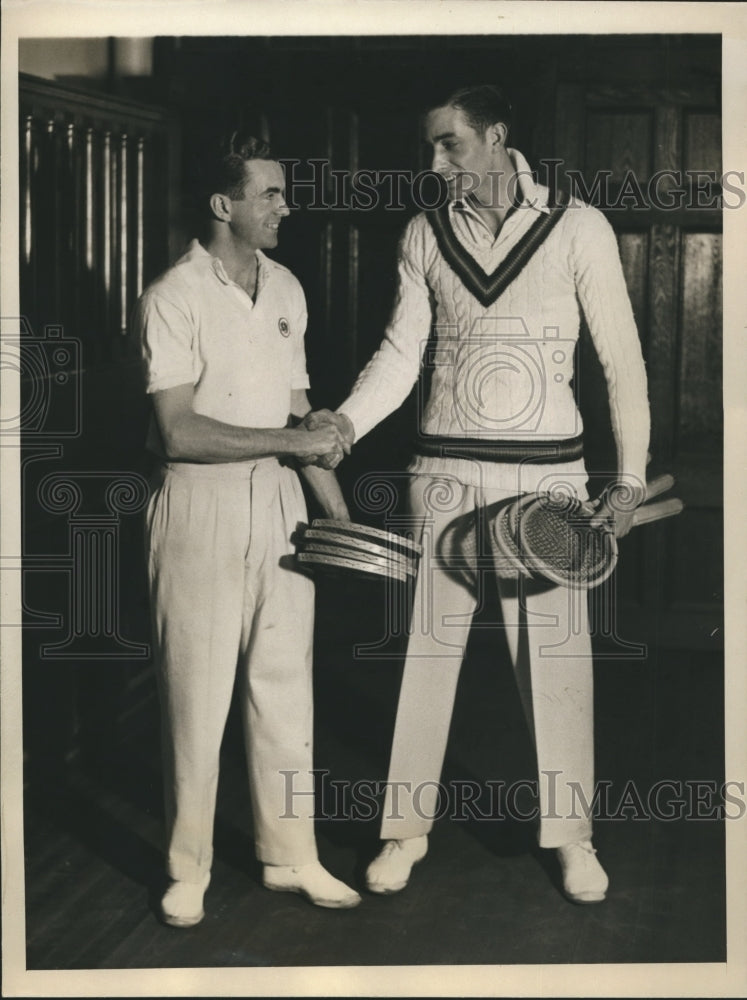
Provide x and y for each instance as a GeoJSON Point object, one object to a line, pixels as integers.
{"type": "Point", "coordinates": [331, 436]}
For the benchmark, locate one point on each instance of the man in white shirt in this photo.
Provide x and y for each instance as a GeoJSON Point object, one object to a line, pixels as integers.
{"type": "Point", "coordinates": [222, 335]}
{"type": "Point", "coordinates": [499, 272]}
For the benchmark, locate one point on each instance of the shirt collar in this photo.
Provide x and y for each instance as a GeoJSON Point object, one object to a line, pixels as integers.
{"type": "Point", "coordinates": [197, 249]}
{"type": "Point", "coordinates": [531, 194]}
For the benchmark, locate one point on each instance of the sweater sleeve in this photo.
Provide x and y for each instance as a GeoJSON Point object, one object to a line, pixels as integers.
{"type": "Point", "coordinates": [385, 382]}
{"type": "Point", "coordinates": [603, 295]}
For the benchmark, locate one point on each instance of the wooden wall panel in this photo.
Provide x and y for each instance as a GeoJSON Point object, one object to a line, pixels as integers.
{"type": "Point", "coordinates": [620, 142]}
{"type": "Point", "coordinates": [661, 337]}
{"type": "Point", "coordinates": [306, 237]}
{"type": "Point", "coordinates": [387, 145]}
{"type": "Point", "coordinates": [634, 257]}
{"type": "Point", "coordinates": [569, 129]}
{"type": "Point", "coordinates": [700, 404]}
{"type": "Point", "coordinates": [377, 282]}
{"type": "Point", "coordinates": [702, 141]}
{"type": "Point", "coordinates": [697, 555]}
{"type": "Point", "coordinates": [667, 139]}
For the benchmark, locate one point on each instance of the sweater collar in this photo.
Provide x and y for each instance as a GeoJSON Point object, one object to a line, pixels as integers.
{"type": "Point", "coordinates": [531, 194]}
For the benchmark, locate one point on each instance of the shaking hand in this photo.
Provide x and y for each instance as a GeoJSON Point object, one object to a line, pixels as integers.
{"type": "Point", "coordinates": [325, 420]}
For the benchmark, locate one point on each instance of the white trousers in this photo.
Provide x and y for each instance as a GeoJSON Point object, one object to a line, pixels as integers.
{"type": "Point", "coordinates": [546, 628]}
{"type": "Point", "coordinates": [225, 595]}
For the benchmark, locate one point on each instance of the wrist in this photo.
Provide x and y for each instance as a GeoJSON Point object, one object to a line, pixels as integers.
{"type": "Point", "coordinates": [299, 443]}
{"type": "Point", "coordinates": [347, 428]}
{"type": "Point", "coordinates": [337, 512]}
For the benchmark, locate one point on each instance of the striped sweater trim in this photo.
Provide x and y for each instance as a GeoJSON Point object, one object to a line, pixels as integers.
{"type": "Point", "coordinates": [485, 287]}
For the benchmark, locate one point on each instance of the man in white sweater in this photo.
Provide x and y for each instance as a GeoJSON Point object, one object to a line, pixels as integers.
{"type": "Point", "coordinates": [500, 274]}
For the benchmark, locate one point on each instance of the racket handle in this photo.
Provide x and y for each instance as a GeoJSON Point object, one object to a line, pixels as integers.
{"type": "Point", "coordinates": [656, 511]}
{"type": "Point", "coordinates": [659, 485]}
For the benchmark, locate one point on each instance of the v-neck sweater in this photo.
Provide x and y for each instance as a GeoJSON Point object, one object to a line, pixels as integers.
{"type": "Point", "coordinates": [504, 372]}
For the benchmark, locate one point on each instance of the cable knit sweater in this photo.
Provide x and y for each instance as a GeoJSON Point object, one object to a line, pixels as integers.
{"type": "Point", "coordinates": [504, 372]}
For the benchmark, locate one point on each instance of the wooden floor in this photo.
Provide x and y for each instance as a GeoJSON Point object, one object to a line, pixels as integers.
{"type": "Point", "coordinates": [484, 895]}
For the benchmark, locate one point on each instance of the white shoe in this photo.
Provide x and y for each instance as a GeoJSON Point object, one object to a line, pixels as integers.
{"type": "Point", "coordinates": [390, 871]}
{"type": "Point", "coordinates": [584, 879]}
{"type": "Point", "coordinates": [312, 881]}
{"type": "Point", "coordinates": [181, 905]}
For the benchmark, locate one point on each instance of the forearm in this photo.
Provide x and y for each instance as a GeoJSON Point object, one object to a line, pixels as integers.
{"type": "Point", "coordinates": [631, 423]}
{"type": "Point", "coordinates": [381, 387]}
{"type": "Point", "coordinates": [625, 374]}
{"type": "Point", "coordinates": [606, 304]}
{"type": "Point", "coordinates": [196, 438]}
{"type": "Point", "coordinates": [326, 489]}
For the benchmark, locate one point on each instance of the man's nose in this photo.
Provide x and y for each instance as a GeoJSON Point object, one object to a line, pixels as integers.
{"type": "Point", "coordinates": [440, 163]}
{"type": "Point", "coordinates": [282, 208]}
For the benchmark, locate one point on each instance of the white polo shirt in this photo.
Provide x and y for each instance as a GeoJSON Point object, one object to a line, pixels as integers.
{"type": "Point", "coordinates": [243, 357]}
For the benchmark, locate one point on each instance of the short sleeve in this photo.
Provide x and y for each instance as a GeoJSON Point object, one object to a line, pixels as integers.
{"type": "Point", "coordinates": [299, 374]}
{"type": "Point", "coordinates": [166, 334]}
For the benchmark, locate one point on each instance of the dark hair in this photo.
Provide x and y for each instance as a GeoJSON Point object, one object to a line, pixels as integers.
{"type": "Point", "coordinates": [215, 164]}
{"type": "Point", "coordinates": [223, 165]}
{"type": "Point", "coordinates": [483, 105]}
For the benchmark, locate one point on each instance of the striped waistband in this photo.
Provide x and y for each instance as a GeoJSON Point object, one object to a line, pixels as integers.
{"type": "Point", "coordinates": [543, 451]}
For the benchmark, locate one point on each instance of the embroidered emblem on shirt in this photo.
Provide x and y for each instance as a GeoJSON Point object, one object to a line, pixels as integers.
{"type": "Point", "coordinates": [284, 327]}
{"type": "Point", "coordinates": [486, 288]}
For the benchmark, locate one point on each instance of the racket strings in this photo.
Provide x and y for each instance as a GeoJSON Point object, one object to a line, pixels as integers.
{"type": "Point", "coordinates": [543, 536]}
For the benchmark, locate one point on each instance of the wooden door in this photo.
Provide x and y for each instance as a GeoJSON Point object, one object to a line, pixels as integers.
{"type": "Point", "coordinates": [655, 154]}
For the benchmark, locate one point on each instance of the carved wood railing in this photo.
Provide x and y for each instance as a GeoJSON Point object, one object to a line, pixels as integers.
{"type": "Point", "coordinates": [97, 198]}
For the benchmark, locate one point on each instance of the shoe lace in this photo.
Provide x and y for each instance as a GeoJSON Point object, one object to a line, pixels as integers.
{"type": "Point", "coordinates": [585, 847]}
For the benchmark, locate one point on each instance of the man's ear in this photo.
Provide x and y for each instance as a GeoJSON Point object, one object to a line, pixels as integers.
{"type": "Point", "coordinates": [497, 134]}
{"type": "Point", "coordinates": [220, 205]}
